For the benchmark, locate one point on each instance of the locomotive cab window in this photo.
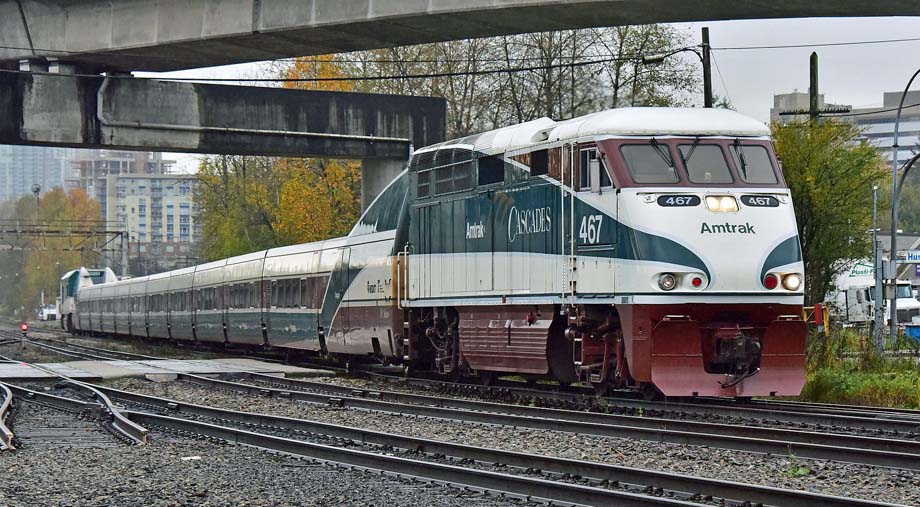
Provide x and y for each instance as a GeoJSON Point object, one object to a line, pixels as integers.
{"type": "Point", "coordinates": [650, 163]}
{"type": "Point", "coordinates": [753, 164]}
{"type": "Point", "coordinates": [592, 173]}
{"type": "Point", "coordinates": [705, 163]}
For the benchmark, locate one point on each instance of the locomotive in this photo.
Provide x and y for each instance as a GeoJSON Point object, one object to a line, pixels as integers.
{"type": "Point", "coordinates": [646, 248]}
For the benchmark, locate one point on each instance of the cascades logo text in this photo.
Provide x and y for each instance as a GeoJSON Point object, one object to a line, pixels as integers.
{"type": "Point", "coordinates": [528, 221]}
{"type": "Point", "coordinates": [727, 228]}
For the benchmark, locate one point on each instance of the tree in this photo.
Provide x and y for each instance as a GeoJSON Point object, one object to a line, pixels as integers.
{"type": "Point", "coordinates": [247, 204]}
{"type": "Point", "coordinates": [483, 91]}
{"type": "Point", "coordinates": [830, 172]}
{"type": "Point", "coordinates": [28, 274]}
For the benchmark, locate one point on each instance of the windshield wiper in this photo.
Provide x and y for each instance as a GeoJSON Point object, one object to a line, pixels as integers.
{"type": "Point", "coordinates": [696, 142]}
{"type": "Point", "coordinates": [738, 151]}
{"type": "Point", "coordinates": [662, 152]}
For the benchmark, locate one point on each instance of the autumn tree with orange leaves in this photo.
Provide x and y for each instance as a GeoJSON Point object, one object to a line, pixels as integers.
{"type": "Point", "coordinates": [26, 274]}
{"type": "Point", "coordinates": [252, 203]}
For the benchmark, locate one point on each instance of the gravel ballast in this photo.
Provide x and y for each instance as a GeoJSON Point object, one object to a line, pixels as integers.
{"type": "Point", "coordinates": [860, 481]}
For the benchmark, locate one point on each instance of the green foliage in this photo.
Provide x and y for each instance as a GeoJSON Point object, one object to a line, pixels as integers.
{"type": "Point", "coordinates": [845, 368]}
{"type": "Point", "coordinates": [797, 470]}
{"type": "Point", "coordinates": [830, 172]}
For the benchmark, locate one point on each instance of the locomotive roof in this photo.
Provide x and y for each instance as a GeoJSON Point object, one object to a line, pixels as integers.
{"type": "Point", "coordinates": [629, 121]}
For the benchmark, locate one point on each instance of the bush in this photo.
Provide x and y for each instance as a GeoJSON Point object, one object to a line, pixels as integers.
{"type": "Point", "coordinates": [846, 368]}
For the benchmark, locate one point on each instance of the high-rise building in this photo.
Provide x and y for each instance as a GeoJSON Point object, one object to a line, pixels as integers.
{"type": "Point", "coordinates": [93, 167]}
{"type": "Point", "coordinates": [23, 166]}
{"type": "Point", "coordinates": [158, 211]}
{"type": "Point", "coordinates": [877, 123]}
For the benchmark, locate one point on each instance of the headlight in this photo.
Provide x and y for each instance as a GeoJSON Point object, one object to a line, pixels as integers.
{"type": "Point", "coordinates": [667, 281]}
{"type": "Point", "coordinates": [792, 281]}
{"type": "Point", "coordinates": [721, 203]}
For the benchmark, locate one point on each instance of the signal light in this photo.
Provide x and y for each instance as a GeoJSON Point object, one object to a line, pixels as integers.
{"type": "Point", "coordinates": [770, 281]}
{"type": "Point", "coordinates": [24, 326]}
{"type": "Point", "coordinates": [697, 282]}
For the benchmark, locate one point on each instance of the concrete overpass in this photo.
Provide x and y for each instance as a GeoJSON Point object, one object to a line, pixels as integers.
{"type": "Point", "coordinates": [52, 109]}
{"type": "Point", "coordinates": [161, 35]}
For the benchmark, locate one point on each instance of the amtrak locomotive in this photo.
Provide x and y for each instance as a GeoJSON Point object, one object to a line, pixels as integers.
{"type": "Point", "coordinates": [653, 248]}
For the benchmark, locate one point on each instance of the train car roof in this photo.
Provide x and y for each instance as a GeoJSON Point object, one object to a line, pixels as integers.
{"type": "Point", "coordinates": [653, 121]}
{"type": "Point", "coordinates": [627, 121]}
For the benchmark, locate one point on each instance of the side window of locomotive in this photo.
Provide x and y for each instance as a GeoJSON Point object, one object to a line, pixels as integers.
{"type": "Point", "coordinates": [424, 184]}
{"type": "Point", "coordinates": [539, 163]}
{"type": "Point", "coordinates": [649, 164]}
{"type": "Point", "coordinates": [753, 164]}
{"type": "Point", "coordinates": [491, 170]}
{"type": "Point", "coordinates": [592, 174]}
{"type": "Point", "coordinates": [705, 163]}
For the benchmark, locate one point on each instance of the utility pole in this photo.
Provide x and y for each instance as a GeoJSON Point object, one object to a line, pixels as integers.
{"type": "Point", "coordinates": [878, 295]}
{"type": "Point", "coordinates": [707, 69]}
{"type": "Point", "coordinates": [813, 87]}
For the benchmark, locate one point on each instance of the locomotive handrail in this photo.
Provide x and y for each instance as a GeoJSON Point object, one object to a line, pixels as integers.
{"type": "Point", "coordinates": [400, 270]}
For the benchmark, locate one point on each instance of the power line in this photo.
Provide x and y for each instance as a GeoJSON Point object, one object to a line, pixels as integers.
{"type": "Point", "coordinates": [819, 44]}
{"type": "Point", "coordinates": [722, 79]}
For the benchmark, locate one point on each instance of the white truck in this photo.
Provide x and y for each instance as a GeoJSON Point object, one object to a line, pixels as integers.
{"type": "Point", "coordinates": [852, 300]}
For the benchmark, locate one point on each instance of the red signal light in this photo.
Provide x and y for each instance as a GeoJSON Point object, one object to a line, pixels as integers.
{"type": "Point", "coordinates": [24, 326]}
{"type": "Point", "coordinates": [697, 281]}
{"type": "Point", "coordinates": [770, 281]}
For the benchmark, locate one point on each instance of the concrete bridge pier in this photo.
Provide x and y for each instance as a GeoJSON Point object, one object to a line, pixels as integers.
{"type": "Point", "coordinates": [376, 174]}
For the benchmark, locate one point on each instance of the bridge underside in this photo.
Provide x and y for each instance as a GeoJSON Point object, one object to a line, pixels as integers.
{"type": "Point", "coordinates": [138, 114]}
{"type": "Point", "coordinates": [181, 34]}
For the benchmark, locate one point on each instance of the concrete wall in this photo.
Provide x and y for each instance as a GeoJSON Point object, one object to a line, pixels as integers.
{"type": "Point", "coordinates": [183, 34]}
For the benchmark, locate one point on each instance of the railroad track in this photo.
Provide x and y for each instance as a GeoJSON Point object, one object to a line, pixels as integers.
{"type": "Point", "coordinates": [879, 421]}
{"type": "Point", "coordinates": [91, 398]}
{"type": "Point", "coordinates": [869, 420]}
{"type": "Point", "coordinates": [841, 447]}
{"type": "Point", "coordinates": [263, 431]}
{"type": "Point", "coordinates": [250, 427]}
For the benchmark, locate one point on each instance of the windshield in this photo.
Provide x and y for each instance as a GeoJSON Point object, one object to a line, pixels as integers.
{"type": "Point", "coordinates": [904, 291]}
{"type": "Point", "coordinates": [705, 163]}
{"type": "Point", "coordinates": [649, 163]}
{"type": "Point", "coordinates": [753, 164]}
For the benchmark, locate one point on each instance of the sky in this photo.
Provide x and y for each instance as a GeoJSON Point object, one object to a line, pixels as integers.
{"type": "Point", "coordinates": [855, 75]}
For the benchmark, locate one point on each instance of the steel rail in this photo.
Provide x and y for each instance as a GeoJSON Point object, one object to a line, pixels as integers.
{"type": "Point", "coordinates": [793, 435]}
{"type": "Point", "coordinates": [881, 422]}
{"type": "Point", "coordinates": [596, 471]}
{"type": "Point", "coordinates": [520, 486]}
{"type": "Point", "coordinates": [606, 425]}
{"type": "Point", "coordinates": [119, 422]}
{"type": "Point", "coordinates": [6, 435]}
{"type": "Point", "coordinates": [878, 419]}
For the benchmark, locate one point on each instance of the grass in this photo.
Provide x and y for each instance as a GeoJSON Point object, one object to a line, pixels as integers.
{"type": "Point", "coordinates": [846, 368]}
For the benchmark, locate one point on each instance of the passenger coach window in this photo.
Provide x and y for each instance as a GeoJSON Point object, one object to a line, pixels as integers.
{"type": "Point", "coordinates": [705, 163]}
{"type": "Point", "coordinates": [649, 163]}
{"type": "Point", "coordinates": [753, 164]}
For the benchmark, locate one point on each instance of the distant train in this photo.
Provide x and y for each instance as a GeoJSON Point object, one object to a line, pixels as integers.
{"type": "Point", "coordinates": [653, 248]}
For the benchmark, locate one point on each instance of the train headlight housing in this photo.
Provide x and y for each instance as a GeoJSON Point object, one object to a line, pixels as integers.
{"type": "Point", "coordinates": [667, 281]}
{"type": "Point", "coordinates": [721, 203]}
{"type": "Point", "coordinates": [792, 281]}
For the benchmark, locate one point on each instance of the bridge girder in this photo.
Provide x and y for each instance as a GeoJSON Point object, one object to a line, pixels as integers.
{"type": "Point", "coordinates": [167, 35]}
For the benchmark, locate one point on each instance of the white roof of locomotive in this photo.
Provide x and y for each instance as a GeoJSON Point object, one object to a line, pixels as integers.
{"type": "Point", "coordinates": [656, 121]}
{"type": "Point", "coordinates": [628, 121]}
